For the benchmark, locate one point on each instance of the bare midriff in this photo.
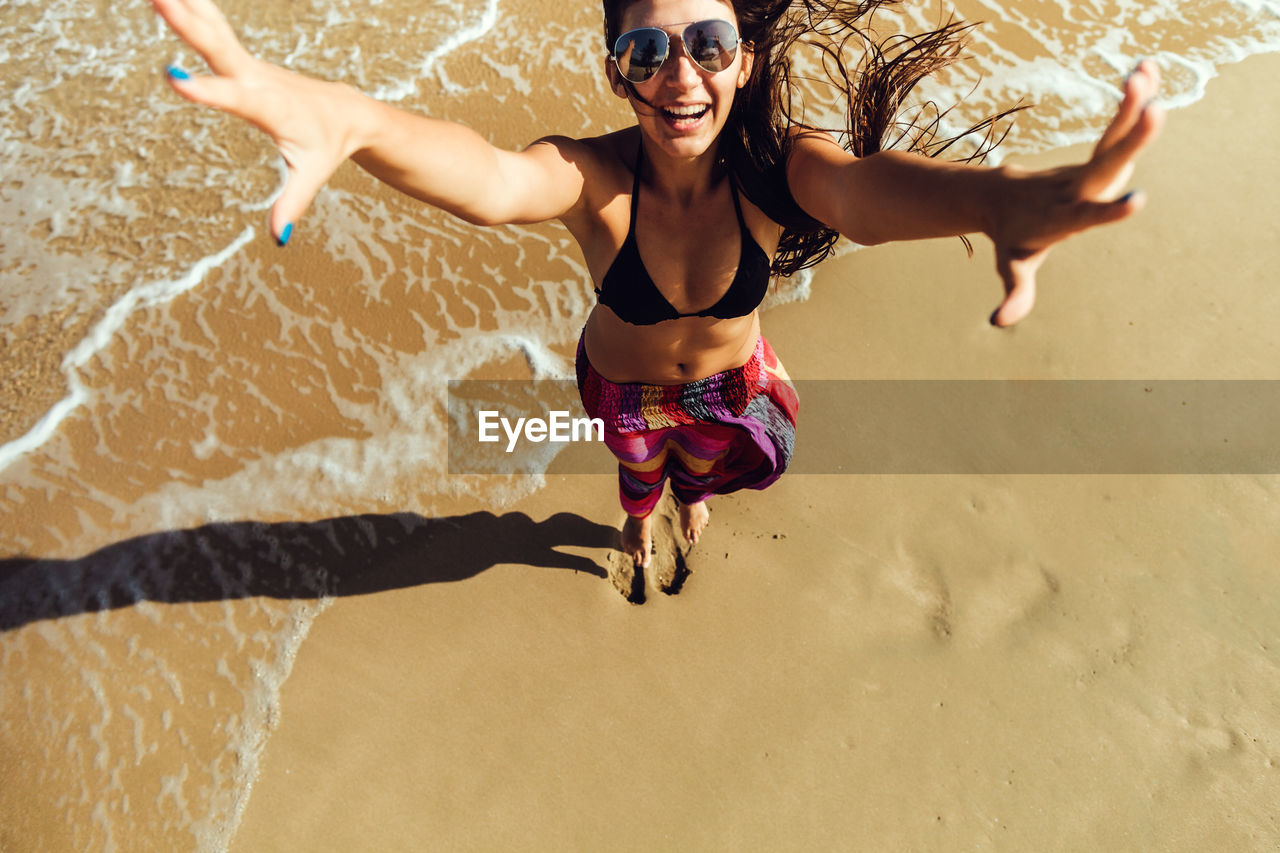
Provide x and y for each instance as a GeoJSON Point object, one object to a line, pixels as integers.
{"type": "Point", "coordinates": [669, 353]}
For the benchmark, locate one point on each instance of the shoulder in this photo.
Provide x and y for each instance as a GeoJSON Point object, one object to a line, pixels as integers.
{"type": "Point", "coordinates": [558, 177]}
{"type": "Point", "coordinates": [604, 165]}
{"type": "Point", "coordinates": [596, 157]}
{"type": "Point", "coordinates": [808, 149]}
{"type": "Point", "coordinates": [813, 161]}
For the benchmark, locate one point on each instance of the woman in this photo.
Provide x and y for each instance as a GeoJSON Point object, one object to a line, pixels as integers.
{"type": "Point", "coordinates": [681, 217]}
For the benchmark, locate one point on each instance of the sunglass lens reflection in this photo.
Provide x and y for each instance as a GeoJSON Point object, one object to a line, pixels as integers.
{"type": "Point", "coordinates": [641, 53]}
{"type": "Point", "coordinates": [711, 45]}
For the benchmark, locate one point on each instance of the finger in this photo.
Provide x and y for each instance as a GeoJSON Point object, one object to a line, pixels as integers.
{"type": "Point", "coordinates": [1019, 277]}
{"type": "Point", "coordinates": [1145, 80]}
{"type": "Point", "coordinates": [1138, 90]}
{"type": "Point", "coordinates": [1091, 213]}
{"type": "Point", "coordinates": [1135, 125]}
{"type": "Point", "coordinates": [1110, 169]}
{"type": "Point", "coordinates": [300, 189]}
{"type": "Point", "coordinates": [221, 93]}
{"type": "Point", "coordinates": [202, 25]}
{"type": "Point", "coordinates": [1083, 215]}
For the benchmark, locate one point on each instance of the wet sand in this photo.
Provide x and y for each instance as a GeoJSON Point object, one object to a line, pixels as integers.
{"type": "Point", "coordinates": [866, 662]}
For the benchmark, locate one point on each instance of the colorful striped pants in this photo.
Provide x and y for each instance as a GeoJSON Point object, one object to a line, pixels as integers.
{"type": "Point", "coordinates": [734, 430]}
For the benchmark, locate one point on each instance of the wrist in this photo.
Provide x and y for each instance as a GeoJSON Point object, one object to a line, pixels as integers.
{"type": "Point", "coordinates": [360, 129]}
{"type": "Point", "coordinates": [999, 185]}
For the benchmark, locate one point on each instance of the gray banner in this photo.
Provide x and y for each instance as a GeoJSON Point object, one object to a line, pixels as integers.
{"type": "Point", "coordinates": [926, 427]}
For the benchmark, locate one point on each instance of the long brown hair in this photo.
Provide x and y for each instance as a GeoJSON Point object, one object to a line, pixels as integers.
{"type": "Point", "coordinates": [873, 76]}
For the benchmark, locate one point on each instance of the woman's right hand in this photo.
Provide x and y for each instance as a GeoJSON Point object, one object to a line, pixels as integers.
{"type": "Point", "coordinates": [306, 118]}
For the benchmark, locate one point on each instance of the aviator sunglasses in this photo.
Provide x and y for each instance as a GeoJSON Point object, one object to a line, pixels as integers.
{"type": "Point", "coordinates": [712, 45]}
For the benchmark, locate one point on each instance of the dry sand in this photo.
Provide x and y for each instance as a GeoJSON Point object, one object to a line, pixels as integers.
{"type": "Point", "coordinates": [861, 662]}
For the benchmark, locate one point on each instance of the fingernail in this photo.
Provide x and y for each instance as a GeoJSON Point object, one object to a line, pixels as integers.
{"type": "Point", "coordinates": [285, 234]}
{"type": "Point", "coordinates": [177, 73]}
{"type": "Point", "coordinates": [1127, 197]}
{"type": "Point", "coordinates": [992, 318]}
{"type": "Point", "coordinates": [1137, 69]}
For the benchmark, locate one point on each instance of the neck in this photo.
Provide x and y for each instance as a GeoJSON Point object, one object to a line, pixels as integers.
{"type": "Point", "coordinates": [681, 179]}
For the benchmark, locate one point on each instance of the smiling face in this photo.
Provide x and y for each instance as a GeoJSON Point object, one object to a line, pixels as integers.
{"type": "Point", "coordinates": [688, 106]}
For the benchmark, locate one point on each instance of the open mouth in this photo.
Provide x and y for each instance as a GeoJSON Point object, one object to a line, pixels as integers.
{"type": "Point", "coordinates": [685, 115]}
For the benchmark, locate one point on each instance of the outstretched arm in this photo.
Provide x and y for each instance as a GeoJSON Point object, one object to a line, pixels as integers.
{"type": "Point", "coordinates": [895, 195]}
{"type": "Point", "coordinates": [317, 125]}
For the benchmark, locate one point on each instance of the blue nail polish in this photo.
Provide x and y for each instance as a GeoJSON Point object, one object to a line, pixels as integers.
{"type": "Point", "coordinates": [177, 73]}
{"type": "Point", "coordinates": [285, 234]}
{"type": "Point", "coordinates": [1124, 199]}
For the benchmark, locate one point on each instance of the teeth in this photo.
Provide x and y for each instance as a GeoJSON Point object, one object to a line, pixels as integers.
{"type": "Point", "coordinates": [686, 112]}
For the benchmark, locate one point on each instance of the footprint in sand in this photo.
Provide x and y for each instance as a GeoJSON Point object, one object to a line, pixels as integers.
{"type": "Point", "coordinates": [627, 578]}
{"type": "Point", "coordinates": [669, 564]}
{"type": "Point", "coordinates": [932, 591]}
{"type": "Point", "coordinates": [668, 561]}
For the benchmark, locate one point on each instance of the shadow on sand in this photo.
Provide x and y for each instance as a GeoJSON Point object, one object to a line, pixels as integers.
{"type": "Point", "coordinates": [335, 557]}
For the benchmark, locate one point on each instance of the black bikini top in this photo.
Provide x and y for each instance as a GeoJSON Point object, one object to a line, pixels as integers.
{"type": "Point", "coordinates": [629, 291]}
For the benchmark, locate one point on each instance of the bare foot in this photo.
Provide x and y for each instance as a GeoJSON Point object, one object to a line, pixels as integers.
{"type": "Point", "coordinates": [693, 520]}
{"type": "Point", "coordinates": [637, 539]}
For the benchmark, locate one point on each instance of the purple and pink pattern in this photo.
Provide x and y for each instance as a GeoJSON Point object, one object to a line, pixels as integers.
{"type": "Point", "coordinates": [733, 430]}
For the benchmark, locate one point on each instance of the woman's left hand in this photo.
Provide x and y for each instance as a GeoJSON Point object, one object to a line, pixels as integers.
{"type": "Point", "coordinates": [1039, 209]}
